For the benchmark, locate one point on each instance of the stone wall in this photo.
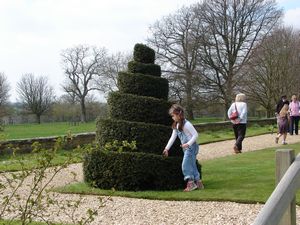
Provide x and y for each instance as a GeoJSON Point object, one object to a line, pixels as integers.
{"type": "Point", "coordinates": [25, 145]}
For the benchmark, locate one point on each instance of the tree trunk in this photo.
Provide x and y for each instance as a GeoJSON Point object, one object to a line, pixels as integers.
{"type": "Point", "coordinates": [83, 110]}
{"type": "Point", "coordinates": [189, 100]}
{"type": "Point", "coordinates": [226, 107]}
{"type": "Point", "coordinates": [38, 118]}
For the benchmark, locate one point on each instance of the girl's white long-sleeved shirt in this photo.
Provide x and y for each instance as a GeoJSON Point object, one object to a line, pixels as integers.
{"type": "Point", "coordinates": [189, 130]}
{"type": "Point", "coordinates": [242, 111]}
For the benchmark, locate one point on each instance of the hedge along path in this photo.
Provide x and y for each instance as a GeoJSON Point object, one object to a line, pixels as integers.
{"type": "Point", "coordinates": [123, 210]}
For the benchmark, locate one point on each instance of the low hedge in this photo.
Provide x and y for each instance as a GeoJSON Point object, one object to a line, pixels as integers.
{"type": "Point", "coordinates": [143, 85]}
{"type": "Point", "coordinates": [129, 171]}
{"type": "Point", "coordinates": [144, 68]}
{"type": "Point", "coordinates": [138, 108]}
{"type": "Point", "coordinates": [150, 138]}
{"type": "Point", "coordinates": [143, 54]}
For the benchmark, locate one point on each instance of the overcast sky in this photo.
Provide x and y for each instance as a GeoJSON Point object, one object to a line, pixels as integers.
{"type": "Point", "coordinates": [34, 32]}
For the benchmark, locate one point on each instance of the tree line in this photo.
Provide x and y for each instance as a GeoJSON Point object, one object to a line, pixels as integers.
{"type": "Point", "coordinates": [86, 69]}
{"type": "Point", "coordinates": [209, 51]}
{"type": "Point", "coordinates": [216, 48]}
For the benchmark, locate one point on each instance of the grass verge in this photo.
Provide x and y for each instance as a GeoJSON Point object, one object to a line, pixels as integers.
{"type": "Point", "coordinates": [243, 178]}
{"type": "Point", "coordinates": [227, 134]}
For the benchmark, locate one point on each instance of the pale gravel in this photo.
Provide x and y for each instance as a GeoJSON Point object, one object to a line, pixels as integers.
{"type": "Point", "coordinates": [120, 210]}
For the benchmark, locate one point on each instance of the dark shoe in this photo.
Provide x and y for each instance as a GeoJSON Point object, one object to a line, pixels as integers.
{"type": "Point", "coordinates": [276, 140]}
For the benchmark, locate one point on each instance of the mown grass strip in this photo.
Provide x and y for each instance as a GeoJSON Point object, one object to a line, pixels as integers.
{"type": "Point", "coordinates": [20, 131]}
{"type": "Point", "coordinates": [244, 178]}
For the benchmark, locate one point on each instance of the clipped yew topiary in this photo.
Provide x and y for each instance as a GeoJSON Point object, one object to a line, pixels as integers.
{"type": "Point", "coordinates": [142, 53]}
{"type": "Point", "coordinates": [144, 68]}
{"type": "Point", "coordinates": [138, 108]}
{"type": "Point", "coordinates": [143, 85]}
{"type": "Point", "coordinates": [150, 138]}
{"type": "Point", "coordinates": [137, 112]}
{"type": "Point", "coordinates": [131, 171]}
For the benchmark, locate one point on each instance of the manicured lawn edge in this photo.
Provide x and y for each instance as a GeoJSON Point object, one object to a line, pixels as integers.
{"type": "Point", "coordinates": [244, 178]}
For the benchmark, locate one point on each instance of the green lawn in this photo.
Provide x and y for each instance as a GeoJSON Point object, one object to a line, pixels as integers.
{"type": "Point", "coordinates": [246, 178]}
{"type": "Point", "coordinates": [20, 131]}
{"type": "Point", "coordinates": [206, 120]}
{"type": "Point", "coordinates": [226, 134]}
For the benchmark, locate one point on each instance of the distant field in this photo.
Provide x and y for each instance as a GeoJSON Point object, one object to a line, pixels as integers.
{"type": "Point", "coordinates": [20, 131]}
{"type": "Point", "coordinates": [30, 130]}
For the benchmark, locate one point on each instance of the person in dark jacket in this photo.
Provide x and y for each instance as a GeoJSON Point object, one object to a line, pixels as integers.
{"type": "Point", "coordinates": [283, 100]}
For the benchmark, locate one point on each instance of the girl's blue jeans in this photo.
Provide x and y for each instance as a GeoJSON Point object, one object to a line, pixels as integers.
{"type": "Point", "coordinates": [189, 166]}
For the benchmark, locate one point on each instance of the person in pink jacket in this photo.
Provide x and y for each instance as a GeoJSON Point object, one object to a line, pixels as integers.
{"type": "Point", "coordinates": [294, 108]}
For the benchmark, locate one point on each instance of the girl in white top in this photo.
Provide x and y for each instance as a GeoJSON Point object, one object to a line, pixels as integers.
{"type": "Point", "coordinates": [187, 134]}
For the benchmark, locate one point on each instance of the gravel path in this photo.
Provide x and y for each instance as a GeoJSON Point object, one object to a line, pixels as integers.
{"type": "Point", "coordinates": [120, 210]}
{"type": "Point", "coordinates": [223, 148]}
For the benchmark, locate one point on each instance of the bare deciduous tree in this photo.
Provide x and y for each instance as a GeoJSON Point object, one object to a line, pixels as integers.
{"type": "Point", "coordinates": [273, 69]}
{"type": "Point", "coordinates": [81, 65]}
{"type": "Point", "coordinates": [4, 89]}
{"type": "Point", "coordinates": [106, 81]}
{"type": "Point", "coordinates": [176, 41]}
{"type": "Point", "coordinates": [36, 94]}
{"type": "Point", "coordinates": [229, 31]}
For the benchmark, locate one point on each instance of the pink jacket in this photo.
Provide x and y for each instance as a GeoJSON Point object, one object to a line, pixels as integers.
{"type": "Point", "coordinates": [294, 108]}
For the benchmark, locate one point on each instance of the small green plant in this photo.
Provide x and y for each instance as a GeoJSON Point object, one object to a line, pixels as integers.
{"type": "Point", "coordinates": [120, 146]}
{"type": "Point", "coordinates": [256, 125]}
{"type": "Point", "coordinates": [26, 195]}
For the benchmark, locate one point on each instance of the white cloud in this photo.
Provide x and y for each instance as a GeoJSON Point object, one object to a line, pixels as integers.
{"type": "Point", "coordinates": [291, 18]}
{"type": "Point", "coordinates": [34, 32]}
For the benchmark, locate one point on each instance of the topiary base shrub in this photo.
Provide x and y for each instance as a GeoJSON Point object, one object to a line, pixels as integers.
{"type": "Point", "coordinates": [128, 171]}
{"type": "Point", "coordinates": [150, 138]}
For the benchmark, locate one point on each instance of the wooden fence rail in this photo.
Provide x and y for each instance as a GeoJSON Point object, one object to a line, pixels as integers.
{"type": "Point", "coordinates": [280, 208]}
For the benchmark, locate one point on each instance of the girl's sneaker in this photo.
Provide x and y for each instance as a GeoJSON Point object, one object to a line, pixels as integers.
{"type": "Point", "coordinates": [190, 186]}
{"type": "Point", "coordinates": [199, 184]}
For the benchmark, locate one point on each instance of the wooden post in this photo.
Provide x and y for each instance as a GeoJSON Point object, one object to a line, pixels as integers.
{"type": "Point", "coordinates": [284, 158]}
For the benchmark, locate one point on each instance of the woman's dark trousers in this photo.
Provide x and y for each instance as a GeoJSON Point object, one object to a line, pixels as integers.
{"type": "Point", "coordinates": [239, 133]}
{"type": "Point", "coordinates": [294, 124]}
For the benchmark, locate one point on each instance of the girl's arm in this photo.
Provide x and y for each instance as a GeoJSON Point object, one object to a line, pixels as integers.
{"type": "Point", "coordinates": [171, 140]}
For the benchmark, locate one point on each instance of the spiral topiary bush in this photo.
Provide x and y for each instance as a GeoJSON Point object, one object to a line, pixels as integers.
{"type": "Point", "coordinates": [137, 112]}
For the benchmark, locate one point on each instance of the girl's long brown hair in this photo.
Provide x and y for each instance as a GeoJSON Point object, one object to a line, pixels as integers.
{"type": "Point", "coordinates": [177, 110]}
